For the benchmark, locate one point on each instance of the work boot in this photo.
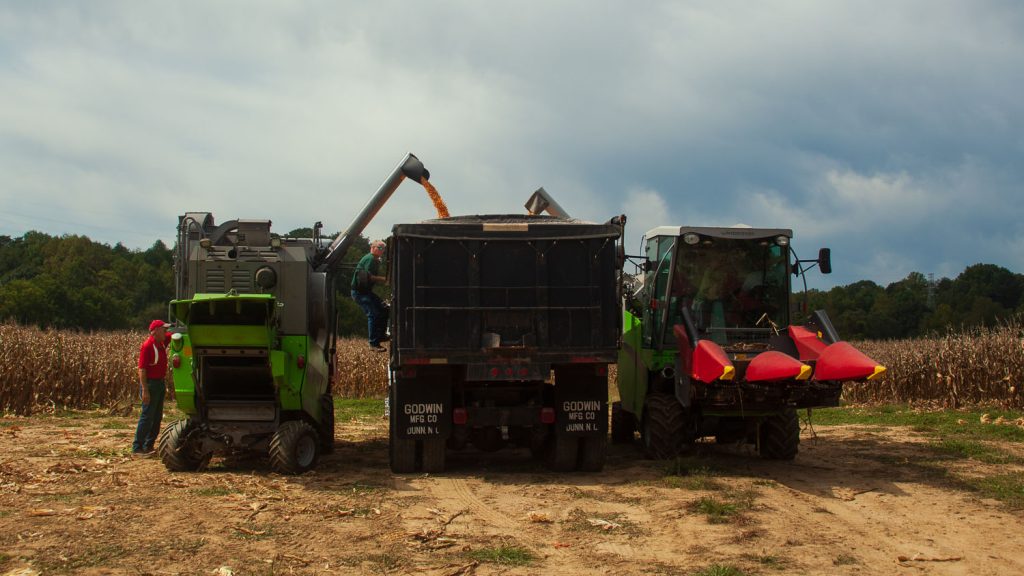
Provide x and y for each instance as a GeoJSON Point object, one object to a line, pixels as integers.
{"type": "Point", "coordinates": [377, 348]}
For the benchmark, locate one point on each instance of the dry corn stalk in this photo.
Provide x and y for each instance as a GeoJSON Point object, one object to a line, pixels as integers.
{"type": "Point", "coordinates": [48, 368]}
{"type": "Point", "coordinates": [981, 366]}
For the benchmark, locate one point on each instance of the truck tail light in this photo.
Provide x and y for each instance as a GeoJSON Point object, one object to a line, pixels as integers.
{"type": "Point", "coordinates": [547, 415]}
{"type": "Point", "coordinates": [459, 416]}
{"type": "Point", "coordinates": [300, 361]}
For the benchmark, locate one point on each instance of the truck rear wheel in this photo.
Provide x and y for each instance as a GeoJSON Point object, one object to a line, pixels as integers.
{"type": "Point", "coordinates": [401, 451]}
{"type": "Point", "coordinates": [327, 423]}
{"type": "Point", "coordinates": [177, 451]}
{"type": "Point", "coordinates": [402, 455]}
{"type": "Point", "coordinates": [593, 452]}
{"type": "Point", "coordinates": [294, 448]}
{"type": "Point", "coordinates": [623, 425]}
{"type": "Point", "coordinates": [433, 454]}
{"type": "Point", "coordinates": [779, 437]}
{"type": "Point", "coordinates": [563, 452]}
{"type": "Point", "coordinates": [664, 424]}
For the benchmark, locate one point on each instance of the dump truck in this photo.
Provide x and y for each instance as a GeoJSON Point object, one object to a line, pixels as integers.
{"type": "Point", "coordinates": [253, 348]}
{"type": "Point", "coordinates": [709, 349]}
{"type": "Point", "coordinates": [503, 328]}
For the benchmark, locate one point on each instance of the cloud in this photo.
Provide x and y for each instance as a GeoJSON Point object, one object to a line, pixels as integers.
{"type": "Point", "coordinates": [890, 133]}
{"type": "Point", "coordinates": [645, 209]}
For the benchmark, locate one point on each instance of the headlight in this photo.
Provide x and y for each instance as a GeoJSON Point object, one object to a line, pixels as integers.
{"type": "Point", "coordinates": [691, 238]}
{"type": "Point", "coordinates": [782, 240]}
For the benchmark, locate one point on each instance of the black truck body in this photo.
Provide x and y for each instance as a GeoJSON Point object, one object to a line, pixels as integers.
{"type": "Point", "coordinates": [503, 328]}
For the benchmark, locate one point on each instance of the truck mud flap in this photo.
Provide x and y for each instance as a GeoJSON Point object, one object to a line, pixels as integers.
{"type": "Point", "coordinates": [422, 409]}
{"type": "Point", "coordinates": [579, 413]}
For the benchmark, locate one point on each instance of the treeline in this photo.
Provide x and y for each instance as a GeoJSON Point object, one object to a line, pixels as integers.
{"type": "Point", "coordinates": [981, 296]}
{"type": "Point", "coordinates": [73, 283]}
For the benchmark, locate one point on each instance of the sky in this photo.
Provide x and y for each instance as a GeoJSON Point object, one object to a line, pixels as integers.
{"type": "Point", "coordinates": [892, 133]}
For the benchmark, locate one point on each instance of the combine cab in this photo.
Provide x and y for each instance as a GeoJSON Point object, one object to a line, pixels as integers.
{"type": "Point", "coordinates": [708, 348]}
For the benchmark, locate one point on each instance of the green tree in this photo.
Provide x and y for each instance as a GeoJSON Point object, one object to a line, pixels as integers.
{"type": "Point", "coordinates": [981, 295]}
{"type": "Point", "coordinates": [73, 282]}
{"type": "Point", "coordinates": [909, 304]}
{"type": "Point", "coordinates": [351, 320]}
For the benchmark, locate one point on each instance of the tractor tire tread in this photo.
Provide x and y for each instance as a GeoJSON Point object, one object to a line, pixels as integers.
{"type": "Point", "coordinates": [171, 450]}
{"type": "Point", "coordinates": [283, 444]}
{"type": "Point", "coordinates": [780, 436]}
{"type": "Point", "coordinates": [666, 424]}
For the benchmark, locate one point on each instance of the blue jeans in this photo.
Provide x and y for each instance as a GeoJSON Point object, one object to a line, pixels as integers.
{"type": "Point", "coordinates": [149, 419]}
{"type": "Point", "coordinates": [376, 315]}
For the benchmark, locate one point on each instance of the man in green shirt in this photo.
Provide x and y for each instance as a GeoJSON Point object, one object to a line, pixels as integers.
{"type": "Point", "coordinates": [366, 275]}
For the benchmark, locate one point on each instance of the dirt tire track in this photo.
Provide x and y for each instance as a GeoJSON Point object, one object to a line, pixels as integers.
{"type": "Point", "coordinates": [458, 489]}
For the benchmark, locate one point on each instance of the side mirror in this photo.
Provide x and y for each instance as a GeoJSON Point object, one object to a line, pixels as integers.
{"type": "Point", "coordinates": [648, 265]}
{"type": "Point", "coordinates": [825, 260]}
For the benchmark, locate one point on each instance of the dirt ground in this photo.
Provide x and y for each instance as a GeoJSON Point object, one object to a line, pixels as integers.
{"type": "Point", "coordinates": [855, 501]}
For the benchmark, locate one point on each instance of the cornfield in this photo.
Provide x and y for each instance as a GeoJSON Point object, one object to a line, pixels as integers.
{"type": "Point", "coordinates": [359, 371]}
{"type": "Point", "coordinates": [51, 369]}
{"type": "Point", "coordinates": [66, 369]}
{"type": "Point", "coordinates": [977, 367]}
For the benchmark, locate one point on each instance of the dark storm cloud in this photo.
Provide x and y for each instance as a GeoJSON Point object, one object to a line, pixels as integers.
{"type": "Point", "coordinates": [892, 133]}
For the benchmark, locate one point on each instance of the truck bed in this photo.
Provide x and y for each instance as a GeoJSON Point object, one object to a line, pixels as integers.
{"type": "Point", "coordinates": [472, 288]}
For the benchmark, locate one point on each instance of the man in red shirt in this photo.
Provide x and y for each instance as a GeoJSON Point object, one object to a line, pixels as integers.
{"type": "Point", "coordinates": [152, 370]}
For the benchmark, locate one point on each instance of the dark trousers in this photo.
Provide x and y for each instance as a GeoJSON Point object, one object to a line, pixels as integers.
{"type": "Point", "coordinates": [149, 419]}
{"type": "Point", "coordinates": [376, 315]}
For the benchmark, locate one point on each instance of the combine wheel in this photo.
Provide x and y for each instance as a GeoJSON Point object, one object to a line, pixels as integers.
{"type": "Point", "coordinates": [563, 452]}
{"type": "Point", "coordinates": [433, 455]}
{"type": "Point", "coordinates": [593, 451]}
{"type": "Point", "coordinates": [294, 448]}
{"type": "Point", "coordinates": [327, 423]}
{"type": "Point", "coordinates": [623, 425]}
{"type": "Point", "coordinates": [664, 424]}
{"type": "Point", "coordinates": [780, 436]}
{"type": "Point", "coordinates": [177, 451]}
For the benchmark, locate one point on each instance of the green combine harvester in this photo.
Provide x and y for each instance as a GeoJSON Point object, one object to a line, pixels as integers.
{"type": "Point", "coordinates": [709, 349]}
{"type": "Point", "coordinates": [253, 350]}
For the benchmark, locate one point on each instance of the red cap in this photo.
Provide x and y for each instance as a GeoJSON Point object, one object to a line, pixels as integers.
{"type": "Point", "coordinates": [157, 324]}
